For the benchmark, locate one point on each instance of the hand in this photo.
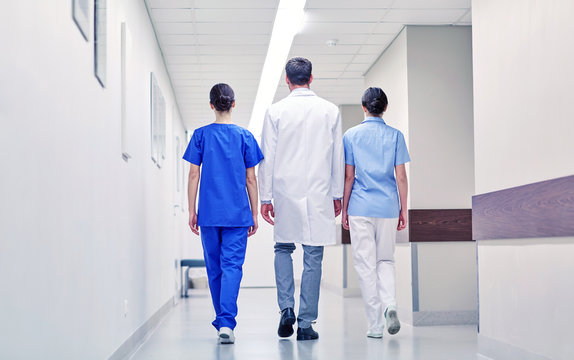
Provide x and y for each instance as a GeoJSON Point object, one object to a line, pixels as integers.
{"type": "Point", "coordinates": [402, 220]}
{"type": "Point", "coordinates": [193, 223]}
{"type": "Point", "coordinates": [345, 220]}
{"type": "Point", "coordinates": [337, 205]}
{"type": "Point", "coordinates": [253, 228]}
{"type": "Point", "coordinates": [265, 210]}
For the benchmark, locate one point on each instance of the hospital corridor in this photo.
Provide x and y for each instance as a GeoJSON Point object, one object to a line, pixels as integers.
{"type": "Point", "coordinates": [287, 180]}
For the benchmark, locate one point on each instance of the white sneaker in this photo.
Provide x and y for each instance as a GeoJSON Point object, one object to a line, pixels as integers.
{"type": "Point", "coordinates": [393, 323]}
{"type": "Point", "coordinates": [375, 334]}
{"type": "Point", "coordinates": [226, 336]}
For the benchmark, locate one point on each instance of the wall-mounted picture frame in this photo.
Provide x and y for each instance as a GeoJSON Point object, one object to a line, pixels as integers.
{"type": "Point", "coordinates": [100, 41]}
{"type": "Point", "coordinates": [158, 122]}
{"type": "Point", "coordinates": [81, 16]}
{"type": "Point", "coordinates": [125, 40]}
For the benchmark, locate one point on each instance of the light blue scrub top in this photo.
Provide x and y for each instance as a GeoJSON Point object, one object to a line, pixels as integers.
{"type": "Point", "coordinates": [224, 152]}
{"type": "Point", "coordinates": [374, 148]}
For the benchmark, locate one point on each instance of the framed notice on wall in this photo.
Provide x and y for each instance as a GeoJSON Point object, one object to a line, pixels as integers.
{"type": "Point", "coordinates": [158, 119]}
{"type": "Point", "coordinates": [100, 41]}
{"type": "Point", "coordinates": [81, 16]}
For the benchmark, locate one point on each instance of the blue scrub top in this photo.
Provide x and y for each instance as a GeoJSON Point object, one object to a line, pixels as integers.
{"type": "Point", "coordinates": [374, 148]}
{"type": "Point", "coordinates": [224, 152]}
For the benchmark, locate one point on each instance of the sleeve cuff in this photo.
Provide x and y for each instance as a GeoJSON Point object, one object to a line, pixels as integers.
{"type": "Point", "coordinates": [337, 198]}
{"type": "Point", "coordinates": [265, 202]}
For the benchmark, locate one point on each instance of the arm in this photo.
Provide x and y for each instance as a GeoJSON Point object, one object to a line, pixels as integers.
{"type": "Point", "coordinates": [403, 185]}
{"type": "Point", "coordinates": [338, 165]}
{"type": "Point", "coordinates": [251, 182]}
{"type": "Point", "coordinates": [268, 145]}
{"type": "Point", "coordinates": [193, 182]}
{"type": "Point", "coordinates": [349, 181]}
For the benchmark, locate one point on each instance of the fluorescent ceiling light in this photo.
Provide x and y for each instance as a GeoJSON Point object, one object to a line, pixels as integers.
{"type": "Point", "coordinates": [287, 23]}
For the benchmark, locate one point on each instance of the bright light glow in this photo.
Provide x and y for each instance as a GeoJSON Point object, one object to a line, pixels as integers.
{"type": "Point", "coordinates": [288, 21]}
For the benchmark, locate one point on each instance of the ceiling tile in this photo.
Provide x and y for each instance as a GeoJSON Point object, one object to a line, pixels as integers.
{"type": "Point", "coordinates": [392, 28]}
{"type": "Point", "coordinates": [434, 4]}
{"type": "Point", "coordinates": [178, 40]}
{"type": "Point", "coordinates": [230, 38]}
{"type": "Point", "coordinates": [300, 50]}
{"type": "Point", "coordinates": [346, 4]}
{"type": "Point", "coordinates": [235, 4]}
{"type": "Point", "coordinates": [234, 15]}
{"type": "Point", "coordinates": [344, 15]}
{"type": "Point", "coordinates": [172, 15]}
{"type": "Point", "coordinates": [434, 16]}
{"type": "Point", "coordinates": [175, 28]}
{"type": "Point", "coordinates": [167, 4]}
{"type": "Point", "coordinates": [338, 28]}
{"type": "Point", "coordinates": [235, 28]}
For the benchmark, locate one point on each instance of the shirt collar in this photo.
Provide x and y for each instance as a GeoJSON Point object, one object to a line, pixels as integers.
{"type": "Point", "coordinates": [374, 118]}
{"type": "Point", "coordinates": [302, 91]}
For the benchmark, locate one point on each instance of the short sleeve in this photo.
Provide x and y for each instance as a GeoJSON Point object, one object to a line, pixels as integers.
{"type": "Point", "coordinates": [349, 159]}
{"type": "Point", "coordinates": [252, 154]}
{"type": "Point", "coordinates": [194, 151]}
{"type": "Point", "coordinates": [401, 153]}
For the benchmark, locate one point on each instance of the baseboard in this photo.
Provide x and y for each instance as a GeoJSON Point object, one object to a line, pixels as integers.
{"type": "Point", "coordinates": [496, 350]}
{"type": "Point", "coordinates": [437, 318]}
{"type": "Point", "coordinates": [141, 334]}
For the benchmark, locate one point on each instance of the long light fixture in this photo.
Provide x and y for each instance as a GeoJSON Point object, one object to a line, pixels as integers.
{"type": "Point", "coordinates": [288, 20]}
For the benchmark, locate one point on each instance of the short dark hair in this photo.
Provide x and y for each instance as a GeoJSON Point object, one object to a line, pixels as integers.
{"type": "Point", "coordinates": [298, 71]}
{"type": "Point", "coordinates": [375, 100]}
{"type": "Point", "coordinates": [221, 97]}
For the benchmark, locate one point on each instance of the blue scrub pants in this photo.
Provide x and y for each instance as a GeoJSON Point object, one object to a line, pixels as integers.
{"type": "Point", "coordinates": [224, 253]}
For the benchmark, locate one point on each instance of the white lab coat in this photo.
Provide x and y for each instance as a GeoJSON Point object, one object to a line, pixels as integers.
{"type": "Point", "coordinates": [303, 169]}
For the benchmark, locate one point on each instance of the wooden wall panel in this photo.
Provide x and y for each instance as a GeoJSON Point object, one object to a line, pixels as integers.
{"type": "Point", "coordinates": [433, 225]}
{"type": "Point", "coordinates": [542, 209]}
{"type": "Point", "coordinates": [440, 225]}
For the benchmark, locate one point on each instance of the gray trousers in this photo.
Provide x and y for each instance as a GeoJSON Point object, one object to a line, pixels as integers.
{"type": "Point", "coordinates": [310, 281]}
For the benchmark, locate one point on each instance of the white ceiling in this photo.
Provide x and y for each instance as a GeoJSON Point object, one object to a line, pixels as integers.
{"type": "Point", "coordinates": [209, 41]}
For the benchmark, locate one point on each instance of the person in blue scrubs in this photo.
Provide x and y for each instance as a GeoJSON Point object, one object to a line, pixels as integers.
{"type": "Point", "coordinates": [227, 210]}
{"type": "Point", "coordinates": [373, 209]}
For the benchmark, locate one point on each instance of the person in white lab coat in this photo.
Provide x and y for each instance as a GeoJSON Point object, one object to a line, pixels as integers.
{"type": "Point", "coordinates": [303, 174]}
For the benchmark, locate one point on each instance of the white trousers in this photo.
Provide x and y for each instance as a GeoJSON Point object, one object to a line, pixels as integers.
{"type": "Point", "coordinates": [373, 243]}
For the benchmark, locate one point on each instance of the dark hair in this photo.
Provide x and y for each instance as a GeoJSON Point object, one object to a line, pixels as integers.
{"type": "Point", "coordinates": [298, 71]}
{"type": "Point", "coordinates": [375, 100]}
{"type": "Point", "coordinates": [221, 97]}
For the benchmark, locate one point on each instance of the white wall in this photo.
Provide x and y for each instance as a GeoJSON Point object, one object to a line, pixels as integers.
{"type": "Point", "coordinates": [447, 276]}
{"type": "Point", "coordinates": [523, 91]}
{"type": "Point", "coordinates": [81, 229]}
{"type": "Point", "coordinates": [523, 133]}
{"type": "Point", "coordinates": [440, 116]}
{"type": "Point", "coordinates": [390, 73]}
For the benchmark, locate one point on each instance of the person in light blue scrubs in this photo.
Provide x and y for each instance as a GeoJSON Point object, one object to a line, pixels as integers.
{"type": "Point", "coordinates": [227, 210]}
{"type": "Point", "coordinates": [373, 209]}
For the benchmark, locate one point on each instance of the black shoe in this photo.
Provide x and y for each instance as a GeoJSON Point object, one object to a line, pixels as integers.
{"type": "Point", "coordinates": [286, 322]}
{"type": "Point", "coordinates": [307, 334]}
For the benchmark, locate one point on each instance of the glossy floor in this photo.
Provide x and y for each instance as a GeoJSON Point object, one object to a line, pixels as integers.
{"type": "Point", "coordinates": [186, 333]}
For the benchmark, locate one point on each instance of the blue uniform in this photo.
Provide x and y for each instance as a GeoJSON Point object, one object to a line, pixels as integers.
{"type": "Point", "coordinates": [374, 149]}
{"type": "Point", "coordinates": [224, 152]}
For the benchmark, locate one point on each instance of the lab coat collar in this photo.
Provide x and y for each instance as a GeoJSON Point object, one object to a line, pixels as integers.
{"type": "Point", "coordinates": [302, 92]}
{"type": "Point", "coordinates": [374, 118]}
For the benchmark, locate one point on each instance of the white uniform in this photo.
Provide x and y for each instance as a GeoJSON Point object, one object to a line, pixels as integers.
{"type": "Point", "coordinates": [303, 169]}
